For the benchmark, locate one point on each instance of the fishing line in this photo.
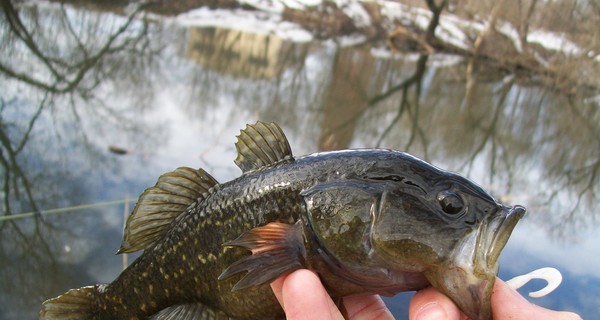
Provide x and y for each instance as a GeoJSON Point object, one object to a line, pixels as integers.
{"type": "Point", "coordinates": [5, 217]}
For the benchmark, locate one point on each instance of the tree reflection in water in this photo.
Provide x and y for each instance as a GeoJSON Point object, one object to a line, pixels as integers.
{"type": "Point", "coordinates": [49, 104]}
{"type": "Point", "coordinates": [524, 135]}
{"type": "Point", "coordinates": [75, 83]}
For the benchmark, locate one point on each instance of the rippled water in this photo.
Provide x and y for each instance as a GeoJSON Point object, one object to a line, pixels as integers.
{"type": "Point", "coordinates": [95, 106]}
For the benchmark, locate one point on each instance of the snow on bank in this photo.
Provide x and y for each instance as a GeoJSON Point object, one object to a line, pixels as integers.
{"type": "Point", "coordinates": [452, 29]}
{"type": "Point", "coordinates": [553, 41]}
{"type": "Point", "coordinates": [259, 22]}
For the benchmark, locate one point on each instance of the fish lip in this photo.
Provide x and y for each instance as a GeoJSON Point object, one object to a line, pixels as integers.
{"type": "Point", "coordinates": [493, 235]}
{"type": "Point", "coordinates": [469, 278]}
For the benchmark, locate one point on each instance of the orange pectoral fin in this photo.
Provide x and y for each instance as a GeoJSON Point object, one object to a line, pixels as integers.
{"type": "Point", "coordinates": [277, 249]}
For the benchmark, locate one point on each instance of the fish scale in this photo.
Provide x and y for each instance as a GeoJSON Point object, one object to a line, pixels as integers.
{"type": "Point", "coordinates": [161, 263]}
{"type": "Point", "coordinates": [367, 221]}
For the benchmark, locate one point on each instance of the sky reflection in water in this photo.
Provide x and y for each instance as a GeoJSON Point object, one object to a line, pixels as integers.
{"type": "Point", "coordinates": [170, 96]}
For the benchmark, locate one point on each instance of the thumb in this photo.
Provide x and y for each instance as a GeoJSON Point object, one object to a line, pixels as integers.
{"type": "Point", "coordinates": [430, 304]}
{"type": "Point", "coordinates": [303, 297]}
{"type": "Point", "coordinates": [367, 307]}
{"type": "Point", "coordinates": [507, 303]}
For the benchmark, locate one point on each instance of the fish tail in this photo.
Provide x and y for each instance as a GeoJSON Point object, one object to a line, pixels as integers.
{"type": "Point", "coordinates": [74, 304]}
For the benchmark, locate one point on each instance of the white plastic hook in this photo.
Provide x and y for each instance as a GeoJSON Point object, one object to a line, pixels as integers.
{"type": "Point", "coordinates": [551, 275]}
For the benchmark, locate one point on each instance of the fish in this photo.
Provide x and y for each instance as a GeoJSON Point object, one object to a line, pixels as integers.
{"type": "Point", "coordinates": [366, 221]}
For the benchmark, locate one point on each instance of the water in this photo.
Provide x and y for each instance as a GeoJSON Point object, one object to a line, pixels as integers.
{"type": "Point", "coordinates": [82, 86]}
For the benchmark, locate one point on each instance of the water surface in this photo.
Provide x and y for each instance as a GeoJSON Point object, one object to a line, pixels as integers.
{"type": "Point", "coordinates": [95, 106]}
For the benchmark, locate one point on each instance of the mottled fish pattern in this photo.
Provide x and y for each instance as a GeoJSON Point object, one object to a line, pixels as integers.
{"type": "Point", "coordinates": [362, 219]}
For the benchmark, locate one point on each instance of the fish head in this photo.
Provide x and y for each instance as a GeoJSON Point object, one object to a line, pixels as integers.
{"type": "Point", "coordinates": [398, 223]}
{"type": "Point", "coordinates": [441, 224]}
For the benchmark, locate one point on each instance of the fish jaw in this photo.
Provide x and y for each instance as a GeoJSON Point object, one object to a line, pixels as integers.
{"type": "Point", "coordinates": [468, 277]}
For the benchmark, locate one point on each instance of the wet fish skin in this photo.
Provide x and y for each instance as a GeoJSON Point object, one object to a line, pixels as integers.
{"type": "Point", "coordinates": [362, 219]}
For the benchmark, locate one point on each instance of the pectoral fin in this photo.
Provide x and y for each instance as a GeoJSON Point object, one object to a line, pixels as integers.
{"type": "Point", "coordinates": [277, 249]}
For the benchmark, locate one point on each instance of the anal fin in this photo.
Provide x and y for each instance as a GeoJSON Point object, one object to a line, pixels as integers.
{"type": "Point", "coordinates": [277, 249]}
{"type": "Point", "coordinates": [189, 311]}
{"type": "Point", "coordinates": [75, 304]}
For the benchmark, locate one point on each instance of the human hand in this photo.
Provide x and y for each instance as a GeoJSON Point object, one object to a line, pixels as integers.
{"type": "Point", "coordinates": [302, 296]}
{"type": "Point", "coordinates": [507, 303]}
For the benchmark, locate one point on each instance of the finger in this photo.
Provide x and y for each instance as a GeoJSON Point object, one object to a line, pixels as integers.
{"type": "Point", "coordinates": [430, 304]}
{"type": "Point", "coordinates": [367, 308]}
{"type": "Point", "coordinates": [304, 297]}
{"type": "Point", "coordinates": [277, 286]}
{"type": "Point", "coordinates": [509, 304]}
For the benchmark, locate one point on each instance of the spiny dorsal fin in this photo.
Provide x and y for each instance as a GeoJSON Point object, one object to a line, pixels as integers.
{"type": "Point", "coordinates": [277, 249]}
{"type": "Point", "coordinates": [261, 144]}
{"type": "Point", "coordinates": [158, 206]}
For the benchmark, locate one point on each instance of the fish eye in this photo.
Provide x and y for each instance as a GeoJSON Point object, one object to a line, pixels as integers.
{"type": "Point", "coordinates": [450, 202]}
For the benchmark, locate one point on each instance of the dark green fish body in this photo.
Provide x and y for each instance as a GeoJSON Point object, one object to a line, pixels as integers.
{"type": "Point", "coordinates": [367, 221]}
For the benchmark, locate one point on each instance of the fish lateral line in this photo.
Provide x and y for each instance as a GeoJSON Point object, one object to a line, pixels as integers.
{"type": "Point", "coordinates": [258, 145]}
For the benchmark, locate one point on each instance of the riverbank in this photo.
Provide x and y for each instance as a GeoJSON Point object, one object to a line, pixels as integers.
{"type": "Point", "coordinates": [521, 43]}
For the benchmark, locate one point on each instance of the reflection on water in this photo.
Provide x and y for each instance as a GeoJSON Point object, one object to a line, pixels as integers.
{"type": "Point", "coordinates": [76, 83]}
{"type": "Point", "coordinates": [235, 52]}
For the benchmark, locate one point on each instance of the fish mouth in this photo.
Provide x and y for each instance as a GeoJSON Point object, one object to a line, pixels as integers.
{"type": "Point", "coordinates": [468, 278]}
{"type": "Point", "coordinates": [493, 235]}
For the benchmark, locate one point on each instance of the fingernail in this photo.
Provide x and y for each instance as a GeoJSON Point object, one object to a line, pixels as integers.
{"type": "Point", "coordinates": [431, 311]}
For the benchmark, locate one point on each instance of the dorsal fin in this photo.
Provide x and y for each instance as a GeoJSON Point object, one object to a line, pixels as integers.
{"type": "Point", "coordinates": [261, 144]}
{"type": "Point", "coordinates": [158, 206]}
